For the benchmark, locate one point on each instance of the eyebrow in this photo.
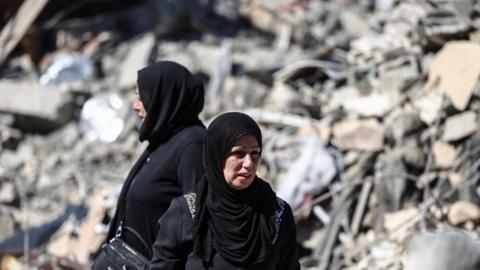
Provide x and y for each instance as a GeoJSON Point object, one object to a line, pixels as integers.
{"type": "Point", "coordinates": [236, 147]}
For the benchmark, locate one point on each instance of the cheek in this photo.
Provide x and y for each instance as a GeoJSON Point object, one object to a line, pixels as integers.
{"type": "Point", "coordinates": [231, 166]}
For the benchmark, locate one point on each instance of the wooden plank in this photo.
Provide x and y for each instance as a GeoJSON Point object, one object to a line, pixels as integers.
{"type": "Point", "coordinates": [18, 25]}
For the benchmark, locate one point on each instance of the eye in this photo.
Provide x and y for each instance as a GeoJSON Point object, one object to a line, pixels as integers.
{"type": "Point", "coordinates": [238, 154]}
{"type": "Point", "coordinates": [255, 154]}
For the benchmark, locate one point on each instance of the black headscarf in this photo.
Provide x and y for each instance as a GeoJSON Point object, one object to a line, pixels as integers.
{"type": "Point", "coordinates": [172, 98]}
{"type": "Point", "coordinates": [238, 224]}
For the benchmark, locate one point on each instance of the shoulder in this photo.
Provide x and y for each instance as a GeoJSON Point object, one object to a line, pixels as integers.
{"type": "Point", "coordinates": [191, 134]}
{"type": "Point", "coordinates": [184, 204]}
{"type": "Point", "coordinates": [283, 209]}
{"type": "Point", "coordinates": [282, 218]}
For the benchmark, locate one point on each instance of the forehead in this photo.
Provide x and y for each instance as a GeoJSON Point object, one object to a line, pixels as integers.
{"type": "Point", "coordinates": [246, 141]}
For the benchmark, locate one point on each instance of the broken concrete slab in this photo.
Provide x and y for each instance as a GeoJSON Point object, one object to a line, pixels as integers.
{"type": "Point", "coordinates": [444, 154]}
{"type": "Point", "coordinates": [365, 135]}
{"type": "Point", "coordinates": [463, 211]}
{"type": "Point", "coordinates": [459, 126]}
{"type": "Point", "coordinates": [376, 103]}
{"type": "Point", "coordinates": [413, 155]}
{"type": "Point", "coordinates": [354, 23]}
{"type": "Point", "coordinates": [8, 193]}
{"type": "Point", "coordinates": [6, 226]}
{"type": "Point", "coordinates": [429, 105]}
{"type": "Point", "coordinates": [136, 59]}
{"type": "Point", "coordinates": [36, 108]}
{"type": "Point", "coordinates": [442, 250]}
{"type": "Point", "coordinates": [401, 224]}
{"type": "Point", "coordinates": [455, 71]}
{"type": "Point", "coordinates": [405, 124]}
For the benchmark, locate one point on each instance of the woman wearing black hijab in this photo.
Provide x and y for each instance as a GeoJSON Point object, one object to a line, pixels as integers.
{"type": "Point", "coordinates": [234, 219]}
{"type": "Point", "coordinates": [169, 99]}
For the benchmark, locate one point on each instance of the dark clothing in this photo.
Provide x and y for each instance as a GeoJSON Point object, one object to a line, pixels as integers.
{"type": "Point", "coordinates": [172, 97]}
{"type": "Point", "coordinates": [172, 163]}
{"type": "Point", "coordinates": [173, 247]}
{"type": "Point", "coordinates": [172, 169]}
{"type": "Point", "coordinates": [236, 223]}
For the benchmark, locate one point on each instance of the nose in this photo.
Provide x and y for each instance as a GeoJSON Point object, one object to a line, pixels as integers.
{"type": "Point", "coordinates": [248, 162]}
{"type": "Point", "coordinates": [135, 104]}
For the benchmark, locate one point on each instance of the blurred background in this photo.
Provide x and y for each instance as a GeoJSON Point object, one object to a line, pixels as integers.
{"type": "Point", "coordinates": [369, 111]}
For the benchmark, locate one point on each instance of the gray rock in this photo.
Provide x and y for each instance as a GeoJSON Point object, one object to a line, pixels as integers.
{"type": "Point", "coordinates": [393, 181]}
{"type": "Point", "coordinates": [459, 126]}
{"type": "Point", "coordinates": [36, 108]}
{"type": "Point", "coordinates": [444, 250]}
{"type": "Point", "coordinates": [136, 58]}
{"type": "Point", "coordinates": [405, 124]}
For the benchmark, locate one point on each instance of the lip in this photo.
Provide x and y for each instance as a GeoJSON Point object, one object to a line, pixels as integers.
{"type": "Point", "coordinates": [245, 175]}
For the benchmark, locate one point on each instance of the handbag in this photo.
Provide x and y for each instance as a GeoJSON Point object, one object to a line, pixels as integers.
{"type": "Point", "coordinates": [116, 254]}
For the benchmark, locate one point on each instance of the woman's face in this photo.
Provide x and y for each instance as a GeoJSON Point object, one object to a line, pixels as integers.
{"type": "Point", "coordinates": [138, 106]}
{"type": "Point", "coordinates": [242, 162]}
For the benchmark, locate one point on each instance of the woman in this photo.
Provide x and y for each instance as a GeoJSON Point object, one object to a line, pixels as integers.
{"type": "Point", "coordinates": [169, 99]}
{"type": "Point", "coordinates": [234, 220]}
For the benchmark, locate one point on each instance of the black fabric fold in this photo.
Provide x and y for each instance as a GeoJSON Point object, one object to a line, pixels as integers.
{"type": "Point", "coordinates": [172, 98]}
{"type": "Point", "coordinates": [237, 224]}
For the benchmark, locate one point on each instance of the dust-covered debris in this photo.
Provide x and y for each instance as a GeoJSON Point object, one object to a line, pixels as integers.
{"type": "Point", "coordinates": [369, 111]}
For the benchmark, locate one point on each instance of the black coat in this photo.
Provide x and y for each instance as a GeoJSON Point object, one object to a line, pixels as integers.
{"type": "Point", "coordinates": [173, 247]}
{"type": "Point", "coordinates": [167, 171]}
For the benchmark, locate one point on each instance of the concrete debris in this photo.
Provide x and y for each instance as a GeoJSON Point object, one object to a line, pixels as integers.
{"type": "Point", "coordinates": [455, 72]}
{"type": "Point", "coordinates": [429, 105]}
{"type": "Point", "coordinates": [460, 126]}
{"type": "Point", "coordinates": [369, 111]}
{"type": "Point", "coordinates": [461, 212]}
{"type": "Point", "coordinates": [442, 250]}
{"type": "Point", "coordinates": [137, 57]}
{"type": "Point", "coordinates": [36, 108]}
{"type": "Point", "coordinates": [404, 125]}
{"type": "Point", "coordinates": [65, 68]}
{"type": "Point", "coordinates": [312, 171]}
{"type": "Point", "coordinates": [401, 224]}
{"type": "Point", "coordinates": [367, 135]}
{"type": "Point", "coordinates": [376, 104]}
{"type": "Point", "coordinates": [18, 25]}
{"type": "Point", "coordinates": [444, 154]}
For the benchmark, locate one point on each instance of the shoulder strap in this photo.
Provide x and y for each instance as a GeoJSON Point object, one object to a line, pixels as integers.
{"type": "Point", "coordinates": [139, 237]}
{"type": "Point", "coordinates": [190, 198]}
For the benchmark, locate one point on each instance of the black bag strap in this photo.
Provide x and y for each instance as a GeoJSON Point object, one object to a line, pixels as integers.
{"type": "Point", "coordinates": [139, 237]}
{"type": "Point", "coordinates": [121, 210]}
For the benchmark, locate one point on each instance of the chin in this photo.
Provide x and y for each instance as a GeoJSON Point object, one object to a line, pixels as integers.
{"type": "Point", "coordinates": [242, 184]}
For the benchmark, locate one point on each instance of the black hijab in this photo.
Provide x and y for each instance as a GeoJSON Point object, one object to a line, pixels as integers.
{"type": "Point", "coordinates": [238, 224]}
{"type": "Point", "coordinates": [172, 98]}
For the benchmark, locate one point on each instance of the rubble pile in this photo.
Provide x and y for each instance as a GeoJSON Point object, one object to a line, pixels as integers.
{"type": "Point", "coordinates": [369, 111]}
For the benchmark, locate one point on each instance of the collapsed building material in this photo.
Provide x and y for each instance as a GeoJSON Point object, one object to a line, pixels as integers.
{"type": "Point", "coordinates": [35, 108]}
{"type": "Point", "coordinates": [136, 58]}
{"type": "Point", "coordinates": [394, 155]}
{"type": "Point", "coordinates": [442, 250]}
{"type": "Point", "coordinates": [459, 126]}
{"type": "Point", "coordinates": [455, 72]}
{"type": "Point", "coordinates": [67, 68]}
{"type": "Point", "coordinates": [461, 212]}
{"type": "Point", "coordinates": [18, 26]}
{"type": "Point", "coordinates": [312, 172]}
{"type": "Point", "coordinates": [365, 135]}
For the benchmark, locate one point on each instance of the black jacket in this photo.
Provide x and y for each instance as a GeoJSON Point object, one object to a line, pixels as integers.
{"type": "Point", "coordinates": [173, 247]}
{"type": "Point", "coordinates": [161, 174]}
